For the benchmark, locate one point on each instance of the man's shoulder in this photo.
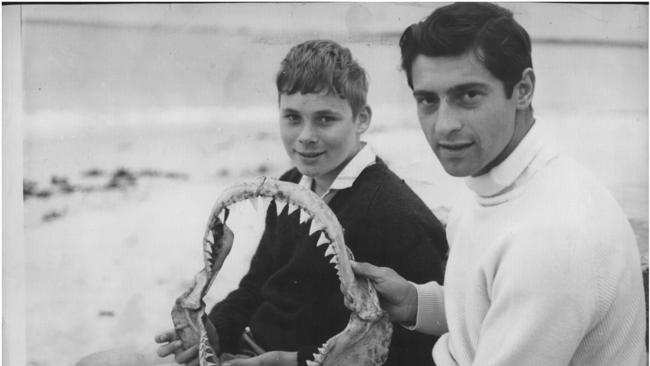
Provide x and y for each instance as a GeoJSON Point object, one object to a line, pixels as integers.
{"type": "Point", "coordinates": [568, 203]}
{"type": "Point", "coordinates": [566, 183]}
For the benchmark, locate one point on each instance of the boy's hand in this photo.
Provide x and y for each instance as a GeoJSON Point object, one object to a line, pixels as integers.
{"type": "Point", "coordinates": [173, 345]}
{"type": "Point", "coordinates": [273, 358]}
{"type": "Point", "coordinates": [398, 296]}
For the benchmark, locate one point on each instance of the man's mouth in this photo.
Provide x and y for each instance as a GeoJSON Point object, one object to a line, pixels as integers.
{"type": "Point", "coordinates": [310, 154]}
{"type": "Point", "coordinates": [455, 146]}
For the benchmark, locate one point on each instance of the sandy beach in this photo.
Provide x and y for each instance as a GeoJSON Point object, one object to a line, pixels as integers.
{"type": "Point", "coordinates": [118, 183]}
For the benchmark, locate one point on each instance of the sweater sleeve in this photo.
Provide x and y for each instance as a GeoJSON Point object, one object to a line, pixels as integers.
{"type": "Point", "coordinates": [431, 311]}
{"type": "Point", "coordinates": [231, 315]}
{"type": "Point", "coordinates": [544, 299]}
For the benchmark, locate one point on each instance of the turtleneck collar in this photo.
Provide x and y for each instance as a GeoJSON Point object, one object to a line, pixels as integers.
{"type": "Point", "coordinates": [533, 151]}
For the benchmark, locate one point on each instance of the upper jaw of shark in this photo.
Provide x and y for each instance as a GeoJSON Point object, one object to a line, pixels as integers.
{"type": "Point", "coordinates": [361, 296]}
{"type": "Point", "coordinates": [259, 192]}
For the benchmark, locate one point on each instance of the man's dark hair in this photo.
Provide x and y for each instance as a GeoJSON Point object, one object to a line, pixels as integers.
{"type": "Point", "coordinates": [486, 29]}
{"type": "Point", "coordinates": [322, 65]}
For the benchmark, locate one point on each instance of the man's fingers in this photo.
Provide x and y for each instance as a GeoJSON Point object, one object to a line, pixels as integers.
{"type": "Point", "coordinates": [366, 269]}
{"type": "Point", "coordinates": [188, 355]}
{"type": "Point", "coordinates": [169, 348]}
{"type": "Point", "coordinates": [166, 336]}
{"type": "Point", "coordinates": [237, 362]}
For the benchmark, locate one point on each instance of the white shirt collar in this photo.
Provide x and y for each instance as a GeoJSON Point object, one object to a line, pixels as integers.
{"type": "Point", "coordinates": [364, 158]}
{"type": "Point", "coordinates": [503, 176]}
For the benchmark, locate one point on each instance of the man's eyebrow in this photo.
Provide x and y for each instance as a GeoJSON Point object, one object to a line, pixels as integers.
{"type": "Point", "coordinates": [289, 110]}
{"type": "Point", "coordinates": [423, 93]}
{"type": "Point", "coordinates": [453, 90]}
{"type": "Point", "coordinates": [465, 86]}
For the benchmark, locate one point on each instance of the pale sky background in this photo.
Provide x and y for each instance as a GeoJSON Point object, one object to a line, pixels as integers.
{"type": "Point", "coordinates": [568, 20]}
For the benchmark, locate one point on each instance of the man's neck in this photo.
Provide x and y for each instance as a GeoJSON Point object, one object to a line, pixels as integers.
{"type": "Point", "coordinates": [524, 121]}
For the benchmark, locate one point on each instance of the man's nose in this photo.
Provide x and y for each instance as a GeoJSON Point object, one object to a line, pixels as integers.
{"type": "Point", "coordinates": [447, 119]}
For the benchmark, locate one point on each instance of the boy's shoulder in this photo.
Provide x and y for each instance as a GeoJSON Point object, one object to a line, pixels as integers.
{"type": "Point", "coordinates": [292, 175]}
{"type": "Point", "coordinates": [389, 191]}
{"type": "Point", "coordinates": [384, 181]}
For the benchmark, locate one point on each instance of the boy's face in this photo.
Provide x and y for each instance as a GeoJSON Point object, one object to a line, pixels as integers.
{"type": "Point", "coordinates": [320, 133]}
{"type": "Point", "coordinates": [464, 113]}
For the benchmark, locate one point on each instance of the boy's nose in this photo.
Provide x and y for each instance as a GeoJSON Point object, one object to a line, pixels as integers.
{"type": "Point", "coordinates": [307, 136]}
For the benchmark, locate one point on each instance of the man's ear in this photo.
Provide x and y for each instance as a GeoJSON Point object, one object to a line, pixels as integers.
{"type": "Point", "coordinates": [525, 89]}
{"type": "Point", "coordinates": [363, 119]}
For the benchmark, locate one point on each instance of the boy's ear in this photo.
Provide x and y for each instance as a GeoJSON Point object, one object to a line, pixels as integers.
{"type": "Point", "coordinates": [525, 88]}
{"type": "Point", "coordinates": [363, 119]}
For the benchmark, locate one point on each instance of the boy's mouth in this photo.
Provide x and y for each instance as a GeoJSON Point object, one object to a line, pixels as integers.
{"type": "Point", "coordinates": [309, 154]}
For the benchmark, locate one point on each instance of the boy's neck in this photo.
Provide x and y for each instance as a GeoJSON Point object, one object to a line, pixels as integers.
{"type": "Point", "coordinates": [322, 184]}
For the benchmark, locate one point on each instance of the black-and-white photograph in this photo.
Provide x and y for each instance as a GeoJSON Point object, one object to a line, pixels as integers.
{"type": "Point", "coordinates": [333, 183]}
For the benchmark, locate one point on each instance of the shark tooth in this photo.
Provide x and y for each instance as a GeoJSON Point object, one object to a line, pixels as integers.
{"type": "Point", "coordinates": [255, 202]}
{"type": "Point", "coordinates": [318, 357]}
{"type": "Point", "coordinates": [221, 215]}
{"type": "Point", "coordinates": [311, 363]}
{"type": "Point", "coordinates": [304, 216]}
{"type": "Point", "coordinates": [330, 250]}
{"type": "Point", "coordinates": [280, 205]}
{"type": "Point", "coordinates": [322, 240]}
{"type": "Point", "coordinates": [321, 349]}
{"type": "Point", "coordinates": [334, 260]}
{"type": "Point", "coordinates": [265, 202]}
{"type": "Point", "coordinates": [315, 226]}
{"type": "Point", "coordinates": [292, 208]}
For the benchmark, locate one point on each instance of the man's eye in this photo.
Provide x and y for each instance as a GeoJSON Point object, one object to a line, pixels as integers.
{"type": "Point", "coordinates": [325, 120]}
{"type": "Point", "coordinates": [427, 101]}
{"type": "Point", "coordinates": [471, 96]}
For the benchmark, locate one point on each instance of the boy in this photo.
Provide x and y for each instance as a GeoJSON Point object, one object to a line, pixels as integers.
{"type": "Point", "coordinates": [290, 296]}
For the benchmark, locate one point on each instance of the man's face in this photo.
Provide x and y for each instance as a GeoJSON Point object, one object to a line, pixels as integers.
{"type": "Point", "coordinates": [464, 113]}
{"type": "Point", "coordinates": [319, 133]}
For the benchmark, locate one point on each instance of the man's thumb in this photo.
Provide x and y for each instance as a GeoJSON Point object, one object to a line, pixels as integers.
{"type": "Point", "coordinates": [364, 269]}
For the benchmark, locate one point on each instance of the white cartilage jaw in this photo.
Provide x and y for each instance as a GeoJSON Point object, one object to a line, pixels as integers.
{"type": "Point", "coordinates": [361, 300]}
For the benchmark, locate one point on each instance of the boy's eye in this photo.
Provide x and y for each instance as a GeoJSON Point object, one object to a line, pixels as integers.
{"type": "Point", "coordinates": [292, 118]}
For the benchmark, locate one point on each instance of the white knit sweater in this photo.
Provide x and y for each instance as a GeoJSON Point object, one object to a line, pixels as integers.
{"type": "Point", "coordinates": [543, 270]}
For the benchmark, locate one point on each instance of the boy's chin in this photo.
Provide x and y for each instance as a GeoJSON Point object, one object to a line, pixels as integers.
{"type": "Point", "coordinates": [308, 171]}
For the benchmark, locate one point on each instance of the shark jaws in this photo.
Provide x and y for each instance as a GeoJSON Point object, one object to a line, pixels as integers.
{"type": "Point", "coordinates": [365, 339]}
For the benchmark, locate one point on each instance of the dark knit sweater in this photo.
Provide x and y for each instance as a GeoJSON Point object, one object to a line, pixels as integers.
{"type": "Point", "coordinates": [290, 296]}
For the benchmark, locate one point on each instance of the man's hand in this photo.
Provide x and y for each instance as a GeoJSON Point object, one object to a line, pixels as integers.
{"type": "Point", "coordinates": [273, 358]}
{"type": "Point", "coordinates": [398, 296]}
{"type": "Point", "coordinates": [173, 345]}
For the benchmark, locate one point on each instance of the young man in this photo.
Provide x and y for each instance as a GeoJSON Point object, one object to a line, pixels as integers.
{"type": "Point", "coordinates": [290, 297]}
{"type": "Point", "coordinates": [543, 266]}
